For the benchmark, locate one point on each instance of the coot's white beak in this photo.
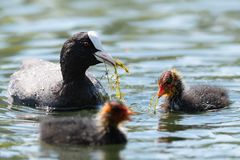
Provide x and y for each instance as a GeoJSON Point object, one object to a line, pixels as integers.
{"type": "Point", "coordinates": [105, 58]}
{"type": "Point", "coordinates": [100, 55]}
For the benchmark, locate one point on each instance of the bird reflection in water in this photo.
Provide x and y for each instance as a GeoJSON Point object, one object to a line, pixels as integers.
{"type": "Point", "coordinates": [107, 152]}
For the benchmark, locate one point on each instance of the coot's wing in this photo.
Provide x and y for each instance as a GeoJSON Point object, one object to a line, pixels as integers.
{"type": "Point", "coordinates": [36, 83]}
{"type": "Point", "coordinates": [99, 88]}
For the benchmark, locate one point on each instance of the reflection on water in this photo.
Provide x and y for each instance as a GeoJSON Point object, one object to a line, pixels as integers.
{"type": "Point", "coordinates": [198, 37]}
{"type": "Point", "coordinates": [66, 152]}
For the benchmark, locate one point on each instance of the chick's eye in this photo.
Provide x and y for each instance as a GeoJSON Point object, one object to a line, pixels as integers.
{"type": "Point", "coordinates": [86, 44]}
{"type": "Point", "coordinates": [169, 80]}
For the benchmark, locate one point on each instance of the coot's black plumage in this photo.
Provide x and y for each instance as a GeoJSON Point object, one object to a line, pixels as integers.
{"type": "Point", "coordinates": [196, 99]}
{"type": "Point", "coordinates": [66, 86]}
{"type": "Point", "coordinates": [86, 131]}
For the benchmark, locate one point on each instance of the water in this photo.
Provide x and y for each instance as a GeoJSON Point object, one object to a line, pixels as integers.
{"type": "Point", "coordinates": [198, 37]}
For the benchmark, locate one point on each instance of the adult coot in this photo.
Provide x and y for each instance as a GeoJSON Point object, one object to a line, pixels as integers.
{"type": "Point", "coordinates": [85, 131]}
{"type": "Point", "coordinates": [196, 99]}
{"type": "Point", "coordinates": [66, 86]}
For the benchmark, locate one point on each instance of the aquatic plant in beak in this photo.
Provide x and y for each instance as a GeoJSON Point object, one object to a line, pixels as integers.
{"type": "Point", "coordinates": [114, 79]}
{"type": "Point", "coordinates": [104, 57]}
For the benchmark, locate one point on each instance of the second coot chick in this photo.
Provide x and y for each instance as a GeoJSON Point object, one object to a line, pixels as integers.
{"type": "Point", "coordinates": [196, 99]}
{"type": "Point", "coordinates": [85, 131]}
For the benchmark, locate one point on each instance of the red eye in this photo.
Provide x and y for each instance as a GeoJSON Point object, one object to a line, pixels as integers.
{"type": "Point", "coordinates": [86, 44]}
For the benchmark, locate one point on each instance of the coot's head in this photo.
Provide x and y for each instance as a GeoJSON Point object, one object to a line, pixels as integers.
{"type": "Point", "coordinates": [114, 112]}
{"type": "Point", "coordinates": [169, 84]}
{"type": "Point", "coordinates": [82, 50]}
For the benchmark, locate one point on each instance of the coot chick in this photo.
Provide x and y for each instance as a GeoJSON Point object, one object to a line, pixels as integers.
{"type": "Point", "coordinates": [86, 131]}
{"type": "Point", "coordinates": [196, 99]}
{"type": "Point", "coordinates": [52, 86]}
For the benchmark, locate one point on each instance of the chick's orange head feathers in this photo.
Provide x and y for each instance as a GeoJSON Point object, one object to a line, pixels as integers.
{"type": "Point", "coordinates": [116, 111]}
{"type": "Point", "coordinates": [167, 82]}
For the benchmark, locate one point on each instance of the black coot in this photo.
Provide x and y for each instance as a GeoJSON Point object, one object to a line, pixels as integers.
{"type": "Point", "coordinates": [66, 86]}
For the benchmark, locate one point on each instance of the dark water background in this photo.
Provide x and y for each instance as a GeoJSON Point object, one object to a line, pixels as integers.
{"type": "Point", "coordinates": [201, 38]}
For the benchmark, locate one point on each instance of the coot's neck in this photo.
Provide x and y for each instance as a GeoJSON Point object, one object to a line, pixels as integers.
{"type": "Point", "coordinates": [73, 75]}
{"type": "Point", "coordinates": [176, 98]}
{"type": "Point", "coordinates": [73, 66]}
{"type": "Point", "coordinates": [111, 134]}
